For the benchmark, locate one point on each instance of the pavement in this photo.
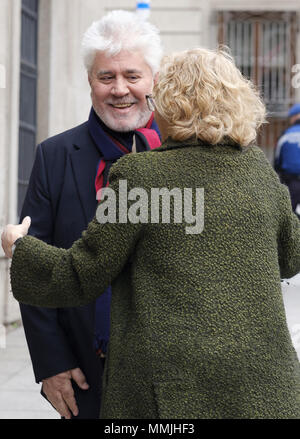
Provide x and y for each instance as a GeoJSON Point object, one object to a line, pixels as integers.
{"type": "Point", "coordinates": [20, 396]}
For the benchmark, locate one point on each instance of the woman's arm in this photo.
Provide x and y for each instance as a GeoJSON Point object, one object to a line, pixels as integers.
{"type": "Point", "coordinates": [43, 275]}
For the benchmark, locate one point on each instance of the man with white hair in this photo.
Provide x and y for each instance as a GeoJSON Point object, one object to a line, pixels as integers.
{"type": "Point", "coordinates": [67, 346]}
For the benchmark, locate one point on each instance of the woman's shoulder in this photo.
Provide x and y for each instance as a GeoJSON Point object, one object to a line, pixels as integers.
{"type": "Point", "coordinates": [256, 150]}
{"type": "Point", "coordinates": [256, 154]}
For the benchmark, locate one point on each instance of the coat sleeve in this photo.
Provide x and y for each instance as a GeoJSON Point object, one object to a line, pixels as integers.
{"type": "Point", "coordinates": [48, 345]}
{"type": "Point", "coordinates": [289, 238]}
{"type": "Point", "coordinates": [42, 275]}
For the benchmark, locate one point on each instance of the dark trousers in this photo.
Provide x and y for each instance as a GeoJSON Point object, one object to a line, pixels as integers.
{"type": "Point", "coordinates": [293, 183]}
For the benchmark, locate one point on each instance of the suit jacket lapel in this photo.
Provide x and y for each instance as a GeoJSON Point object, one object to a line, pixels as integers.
{"type": "Point", "coordinates": [85, 158]}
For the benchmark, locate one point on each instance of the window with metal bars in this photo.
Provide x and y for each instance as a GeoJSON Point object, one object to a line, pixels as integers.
{"type": "Point", "coordinates": [28, 95]}
{"type": "Point", "coordinates": [264, 47]}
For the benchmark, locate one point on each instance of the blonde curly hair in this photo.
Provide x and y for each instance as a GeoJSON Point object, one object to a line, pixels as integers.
{"type": "Point", "coordinates": [201, 93]}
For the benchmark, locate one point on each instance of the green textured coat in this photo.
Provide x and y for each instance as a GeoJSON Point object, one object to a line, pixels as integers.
{"type": "Point", "coordinates": [198, 321]}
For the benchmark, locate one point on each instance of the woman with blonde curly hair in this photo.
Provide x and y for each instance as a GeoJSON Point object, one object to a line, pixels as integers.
{"type": "Point", "coordinates": [198, 322]}
{"type": "Point", "coordinates": [202, 94]}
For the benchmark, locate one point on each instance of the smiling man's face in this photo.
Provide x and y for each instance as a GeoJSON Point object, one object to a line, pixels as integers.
{"type": "Point", "coordinates": [118, 87]}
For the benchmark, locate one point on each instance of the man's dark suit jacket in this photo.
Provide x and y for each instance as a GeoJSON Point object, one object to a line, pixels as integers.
{"type": "Point", "coordinates": [61, 201]}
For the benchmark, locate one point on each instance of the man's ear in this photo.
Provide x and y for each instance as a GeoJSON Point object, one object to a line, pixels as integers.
{"type": "Point", "coordinates": [90, 79]}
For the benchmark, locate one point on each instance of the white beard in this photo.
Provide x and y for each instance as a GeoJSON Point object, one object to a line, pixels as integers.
{"type": "Point", "coordinates": [140, 121]}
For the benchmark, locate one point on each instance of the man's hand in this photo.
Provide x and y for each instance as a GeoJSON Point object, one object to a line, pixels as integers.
{"type": "Point", "coordinates": [12, 233]}
{"type": "Point", "coordinates": [60, 393]}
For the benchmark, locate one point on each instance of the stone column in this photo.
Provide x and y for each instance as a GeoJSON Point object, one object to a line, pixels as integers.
{"type": "Point", "coordinates": [10, 25]}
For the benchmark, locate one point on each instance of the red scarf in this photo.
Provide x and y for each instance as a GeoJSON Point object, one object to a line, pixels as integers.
{"type": "Point", "coordinates": [146, 139]}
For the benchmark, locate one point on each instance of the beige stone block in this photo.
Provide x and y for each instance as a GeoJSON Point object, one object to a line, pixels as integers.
{"type": "Point", "coordinates": [177, 21]}
{"type": "Point", "coordinates": [174, 43]}
{"type": "Point", "coordinates": [267, 5]}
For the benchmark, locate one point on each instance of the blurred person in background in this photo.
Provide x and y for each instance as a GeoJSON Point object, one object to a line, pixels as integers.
{"type": "Point", "coordinates": [198, 325]}
{"type": "Point", "coordinates": [287, 157]}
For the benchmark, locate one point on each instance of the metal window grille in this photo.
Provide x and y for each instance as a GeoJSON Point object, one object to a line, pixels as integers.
{"type": "Point", "coordinates": [263, 45]}
{"type": "Point", "coordinates": [28, 95]}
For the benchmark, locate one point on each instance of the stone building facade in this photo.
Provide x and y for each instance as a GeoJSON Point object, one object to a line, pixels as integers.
{"type": "Point", "coordinates": [40, 66]}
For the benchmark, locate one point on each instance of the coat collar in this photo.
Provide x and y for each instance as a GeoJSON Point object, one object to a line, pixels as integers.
{"type": "Point", "coordinates": [227, 145]}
